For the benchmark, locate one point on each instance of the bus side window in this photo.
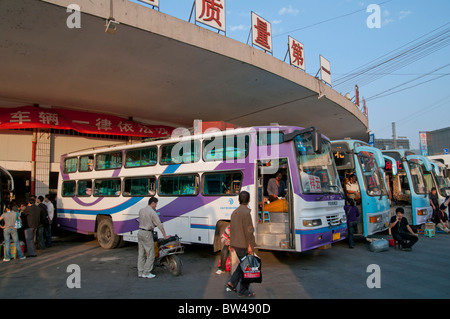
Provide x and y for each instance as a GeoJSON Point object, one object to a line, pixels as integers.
{"type": "Point", "coordinates": [179, 153]}
{"type": "Point", "coordinates": [141, 157]}
{"type": "Point", "coordinates": [223, 148]}
{"type": "Point", "coordinates": [107, 187]}
{"type": "Point", "coordinates": [70, 165]}
{"type": "Point", "coordinates": [86, 163]}
{"type": "Point", "coordinates": [228, 183]}
{"type": "Point", "coordinates": [178, 185]}
{"type": "Point", "coordinates": [68, 188]}
{"type": "Point", "coordinates": [139, 186]}
{"type": "Point", "coordinates": [108, 161]}
{"type": "Point", "coordinates": [84, 188]}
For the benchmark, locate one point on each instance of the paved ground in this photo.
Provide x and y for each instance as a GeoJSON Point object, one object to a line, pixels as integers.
{"type": "Point", "coordinates": [335, 273]}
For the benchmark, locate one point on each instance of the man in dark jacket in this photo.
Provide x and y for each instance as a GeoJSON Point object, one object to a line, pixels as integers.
{"type": "Point", "coordinates": [43, 221]}
{"type": "Point", "coordinates": [242, 241]}
{"type": "Point", "coordinates": [401, 231]}
{"type": "Point", "coordinates": [32, 215]}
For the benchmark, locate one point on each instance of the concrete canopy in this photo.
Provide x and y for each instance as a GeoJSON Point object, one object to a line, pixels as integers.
{"type": "Point", "coordinates": [156, 69]}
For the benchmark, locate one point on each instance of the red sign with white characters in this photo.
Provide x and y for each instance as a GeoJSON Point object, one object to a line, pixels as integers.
{"type": "Point", "coordinates": [83, 122]}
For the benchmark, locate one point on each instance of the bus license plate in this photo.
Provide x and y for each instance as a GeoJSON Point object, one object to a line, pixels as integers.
{"type": "Point", "coordinates": [336, 236]}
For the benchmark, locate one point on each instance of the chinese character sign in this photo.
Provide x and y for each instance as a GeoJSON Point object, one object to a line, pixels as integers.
{"type": "Point", "coordinates": [84, 122]}
{"type": "Point", "coordinates": [423, 143]}
{"type": "Point", "coordinates": [325, 72]}
{"type": "Point", "coordinates": [211, 13]}
{"type": "Point", "coordinates": [154, 3]}
{"type": "Point", "coordinates": [296, 53]}
{"type": "Point", "coordinates": [261, 33]}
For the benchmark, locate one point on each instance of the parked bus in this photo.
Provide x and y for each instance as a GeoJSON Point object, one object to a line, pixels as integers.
{"type": "Point", "coordinates": [6, 187]}
{"type": "Point", "coordinates": [444, 159]}
{"type": "Point", "coordinates": [197, 180]}
{"type": "Point", "coordinates": [409, 189]}
{"type": "Point", "coordinates": [438, 179]}
{"type": "Point", "coordinates": [357, 158]}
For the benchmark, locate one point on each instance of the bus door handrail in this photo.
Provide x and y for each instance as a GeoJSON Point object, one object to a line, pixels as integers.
{"type": "Point", "coordinates": [393, 164]}
{"type": "Point", "coordinates": [376, 153]}
{"type": "Point", "coordinates": [426, 162]}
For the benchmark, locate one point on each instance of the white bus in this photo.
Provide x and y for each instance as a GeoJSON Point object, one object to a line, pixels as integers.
{"type": "Point", "coordinates": [197, 180]}
{"type": "Point", "coordinates": [6, 187]}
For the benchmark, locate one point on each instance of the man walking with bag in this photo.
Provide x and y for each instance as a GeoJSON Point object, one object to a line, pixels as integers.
{"type": "Point", "coordinates": [242, 241]}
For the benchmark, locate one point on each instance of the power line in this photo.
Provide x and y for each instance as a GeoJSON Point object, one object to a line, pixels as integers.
{"type": "Point", "coordinates": [327, 20]}
{"type": "Point", "coordinates": [407, 88]}
{"type": "Point", "coordinates": [382, 94]}
{"type": "Point", "coordinates": [426, 109]}
{"type": "Point", "coordinates": [395, 60]}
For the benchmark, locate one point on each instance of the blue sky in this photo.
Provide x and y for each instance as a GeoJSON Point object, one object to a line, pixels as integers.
{"type": "Point", "coordinates": [348, 43]}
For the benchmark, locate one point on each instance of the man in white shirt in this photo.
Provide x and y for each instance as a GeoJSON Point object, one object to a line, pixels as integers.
{"type": "Point", "coordinates": [352, 188]}
{"type": "Point", "coordinates": [48, 228]}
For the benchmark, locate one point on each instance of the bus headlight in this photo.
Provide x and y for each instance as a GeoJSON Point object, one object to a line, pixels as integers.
{"type": "Point", "coordinates": [422, 212]}
{"type": "Point", "coordinates": [312, 222]}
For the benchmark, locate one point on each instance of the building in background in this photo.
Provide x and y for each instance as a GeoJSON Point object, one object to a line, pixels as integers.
{"type": "Point", "coordinates": [435, 142]}
{"type": "Point", "coordinates": [390, 144]}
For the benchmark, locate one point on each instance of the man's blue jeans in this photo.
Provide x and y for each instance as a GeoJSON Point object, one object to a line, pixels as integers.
{"type": "Point", "coordinates": [9, 233]}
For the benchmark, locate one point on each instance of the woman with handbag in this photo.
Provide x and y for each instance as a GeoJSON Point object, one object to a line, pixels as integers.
{"type": "Point", "coordinates": [12, 222]}
{"type": "Point", "coordinates": [242, 240]}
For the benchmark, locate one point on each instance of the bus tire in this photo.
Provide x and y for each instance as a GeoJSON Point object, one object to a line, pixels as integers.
{"type": "Point", "coordinates": [106, 236]}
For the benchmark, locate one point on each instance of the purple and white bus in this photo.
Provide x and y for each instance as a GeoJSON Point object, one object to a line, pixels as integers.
{"type": "Point", "coordinates": [197, 179]}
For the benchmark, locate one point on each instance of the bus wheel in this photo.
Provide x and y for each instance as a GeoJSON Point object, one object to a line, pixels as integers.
{"type": "Point", "coordinates": [105, 234]}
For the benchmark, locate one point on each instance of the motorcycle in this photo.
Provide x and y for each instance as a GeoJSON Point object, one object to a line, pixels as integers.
{"type": "Point", "coordinates": [166, 251]}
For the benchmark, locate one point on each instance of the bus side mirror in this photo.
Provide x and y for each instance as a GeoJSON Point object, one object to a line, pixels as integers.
{"type": "Point", "coordinates": [316, 141]}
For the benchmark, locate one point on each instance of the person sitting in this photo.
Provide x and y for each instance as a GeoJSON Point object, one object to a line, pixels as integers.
{"type": "Point", "coordinates": [401, 231]}
{"type": "Point", "coordinates": [352, 189]}
{"type": "Point", "coordinates": [276, 187]}
{"type": "Point", "coordinates": [440, 218]}
{"type": "Point", "coordinates": [434, 200]}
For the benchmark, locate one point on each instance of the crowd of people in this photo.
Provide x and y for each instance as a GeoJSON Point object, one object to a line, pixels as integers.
{"type": "Point", "coordinates": [30, 223]}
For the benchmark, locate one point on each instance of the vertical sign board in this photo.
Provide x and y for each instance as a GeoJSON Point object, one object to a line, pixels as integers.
{"type": "Point", "coordinates": [154, 3]}
{"type": "Point", "coordinates": [211, 13]}
{"type": "Point", "coordinates": [423, 143]}
{"type": "Point", "coordinates": [296, 53]}
{"type": "Point", "coordinates": [325, 71]}
{"type": "Point", "coordinates": [261, 33]}
{"type": "Point", "coordinates": [372, 140]}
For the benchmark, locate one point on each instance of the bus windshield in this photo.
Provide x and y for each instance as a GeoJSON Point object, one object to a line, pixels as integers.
{"type": "Point", "coordinates": [443, 185]}
{"type": "Point", "coordinates": [417, 176]}
{"type": "Point", "coordinates": [372, 174]}
{"type": "Point", "coordinates": [317, 170]}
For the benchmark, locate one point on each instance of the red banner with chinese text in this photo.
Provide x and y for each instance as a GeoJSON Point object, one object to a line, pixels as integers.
{"type": "Point", "coordinates": [83, 122]}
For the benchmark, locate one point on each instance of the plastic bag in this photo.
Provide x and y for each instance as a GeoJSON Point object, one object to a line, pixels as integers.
{"type": "Point", "coordinates": [251, 268]}
{"type": "Point", "coordinates": [379, 245]}
{"type": "Point", "coordinates": [227, 264]}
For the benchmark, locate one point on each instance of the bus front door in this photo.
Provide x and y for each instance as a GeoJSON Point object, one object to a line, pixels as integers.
{"type": "Point", "coordinates": [274, 222]}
